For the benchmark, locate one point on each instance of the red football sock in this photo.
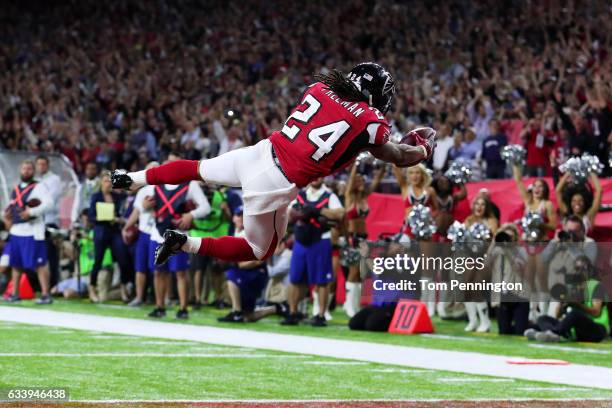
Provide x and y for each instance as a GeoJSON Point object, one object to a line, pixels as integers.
{"type": "Point", "coordinates": [176, 172]}
{"type": "Point", "coordinates": [229, 249]}
{"type": "Point", "coordinates": [232, 249]}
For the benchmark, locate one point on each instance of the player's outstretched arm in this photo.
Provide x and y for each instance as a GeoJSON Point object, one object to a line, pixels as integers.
{"type": "Point", "coordinates": [402, 155]}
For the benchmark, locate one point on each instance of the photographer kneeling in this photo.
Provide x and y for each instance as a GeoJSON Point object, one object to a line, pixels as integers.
{"type": "Point", "coordinates": [508, 261]}
{"type": "Point", "coordinates": [585, 317]}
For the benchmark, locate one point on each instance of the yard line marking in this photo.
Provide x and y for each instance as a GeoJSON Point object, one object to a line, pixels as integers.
{"type": "Point", "coordinates": [571, 349]}
{"type": "Point", "coordinates": [467, 379]}
{"type": "Point", "coordinates": [415, 357]}
{"type": "Point", "coordinates": [324, 363]}
{"type": "Point", "coordinates": [156, 355]}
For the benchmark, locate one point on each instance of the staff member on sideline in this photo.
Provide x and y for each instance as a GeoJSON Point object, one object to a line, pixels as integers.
{"type": "Point", "coordinates": [105, 217]}
{"type": "Point", "coordinates": [85, 190]}
{"type": "Point", "coordinates": [171, 202]}
{"type": "Point", "coordinates": [311, 262]}
{"type": "Point", "coordinates": [215, 224]}
{"type": "Point", "coordinates": [143, 215]}
{"type": "Point", "coordinates": [27, 232]}
{"type": "Point", "coordinates": [54, 187]}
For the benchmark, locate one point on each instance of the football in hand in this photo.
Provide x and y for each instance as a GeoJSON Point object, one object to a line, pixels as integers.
{"type": "Point", "coordinates": [130, 235]}
{"type": "Point", "coordinates": [411, 137]}
{"type": "Point", "coordinates": [35, 202]}
{"type": "Point", "coordinates": [424, 136]}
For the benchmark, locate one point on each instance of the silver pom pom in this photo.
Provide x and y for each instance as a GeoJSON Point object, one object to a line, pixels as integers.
{"type": "Point", "coordinates": [514, 154]}
{"type": "Point", "coordinates": [459, 172]}
{"type": "Point", "coordinates": [457, 232]}
{"type": "Point", "coordinates": [531, 224]}
{"type": "Point", "coordinates": [592, 164]}
{"type": "Point", "coordinates": [364, 157]}
{"type": "Point", "coordinates": [479, 235]}
{"type": "Point", "coordinates": [479, 232]}
{"type": "Point", "coordinates": [349, 256]}
{"type": "Point", "coordinates": [579, 168]}
{"type": "Point", "coordinates": [421, 222]}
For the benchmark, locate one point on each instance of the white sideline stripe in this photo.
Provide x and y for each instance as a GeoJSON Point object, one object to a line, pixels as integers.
{"type": "Point", "coordinates": [416, 357]}
{"type": "Point", "coordinates": [473, 380]}
{"type": "Point", "coordinates": [449, 337]}
{"type": "Point", "coordinates": [571, 349]}
{"type": "Point", "coordinates": [335, 363]}
{"type": "Point", "coordinates": [127, 354]}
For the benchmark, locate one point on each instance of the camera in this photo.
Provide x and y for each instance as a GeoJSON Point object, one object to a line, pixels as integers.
{"type": "Point", "coordinates": [565, 236]}
{"type": "Point", "coordinates": [78, 231]}
{"type": "Point", "coordinates": [502, 237]}
{"type": "Point", "coordinates": [571, 291]}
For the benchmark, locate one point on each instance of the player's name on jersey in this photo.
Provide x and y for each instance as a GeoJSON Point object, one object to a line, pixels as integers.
{"type": "Point", "coordinates": [348, 105]}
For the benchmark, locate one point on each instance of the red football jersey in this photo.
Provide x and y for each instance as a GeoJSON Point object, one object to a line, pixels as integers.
{"type": "Point", "coordinates": [324, 134]}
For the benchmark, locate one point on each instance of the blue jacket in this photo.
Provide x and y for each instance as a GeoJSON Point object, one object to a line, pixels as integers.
{"type": "Point", "coordinates": [118, 199]}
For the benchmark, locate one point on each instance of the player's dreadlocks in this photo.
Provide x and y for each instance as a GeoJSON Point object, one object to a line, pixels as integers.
{"type": "Point", "coordinates": [342, 86]}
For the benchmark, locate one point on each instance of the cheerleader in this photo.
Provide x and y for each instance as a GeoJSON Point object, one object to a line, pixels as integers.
{"type": "Point", "coordinates": [579, 201]}
{"type": "Point", "coordinates": [357, 209]}
{"type": "Point", "coordinates": [536, 200]}
{"type": "Point", "coordinates": [476, 307]}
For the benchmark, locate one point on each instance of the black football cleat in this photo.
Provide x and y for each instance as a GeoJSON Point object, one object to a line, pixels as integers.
{"type": "Point", "coordinates": [318, 321]}
{"type": "Point", "coordinates": [158, 313]}
{"type": "Point", "coordinates": [182, 314]}
{"type": "Point", "coordinates": [120, 180]}
{"type": "Point", "coordinates": [232, 317]}
{"type": "Point", "coordinates": [292, 319]}
{"type": "Point", "coordinates": [173, 241]}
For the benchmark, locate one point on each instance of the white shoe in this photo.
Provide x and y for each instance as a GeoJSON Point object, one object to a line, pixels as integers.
{"type": "Point", "coordinates": [357, 297]}
{"type": "Point", "coordinates": [483, 315]}
{"type": "Point", "coordinates": [470, 308]}
{"type": "Point", "coordinates": [328, 316]}
{"type": "Point", "coordinates": [530, 334]}
{"type": "Point", "coordinates": [471, 326]}
{"type": "Point", "coordinates": [548, 337]}
{"type": "Point", "coordinates": [484, 327]}
{"type": "Point", "coordinates": [315, 303]}
{"type": "Point", "coordinates": [431, 309]}
{"type": "Point", "coordinates": [348, 305]}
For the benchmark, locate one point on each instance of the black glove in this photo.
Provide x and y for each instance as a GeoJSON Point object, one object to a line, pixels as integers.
{"type": "Point", "coordinates": [310, 211]}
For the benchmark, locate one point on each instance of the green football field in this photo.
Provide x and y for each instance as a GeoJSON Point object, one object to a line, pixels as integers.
{"type": "Point", "coordinates": [95, 365]}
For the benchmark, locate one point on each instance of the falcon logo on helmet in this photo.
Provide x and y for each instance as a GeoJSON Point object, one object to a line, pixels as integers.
{"type": "Point", "coordinates": [375, 83]}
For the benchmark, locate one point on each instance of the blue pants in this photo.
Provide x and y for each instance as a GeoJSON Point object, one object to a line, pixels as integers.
{"type": "Point", "coordinates": [176, 263]}
{"type": "Point", "coordinates": [251, 283]}
{"type": "Point", "coordinates": [26, 253]}
{"type": "Point", "coordinates": [142, 252]}
{"type": "Point", "coordinates": [109, 237]}
{"type": "Point", "coordinates": [311, 264]}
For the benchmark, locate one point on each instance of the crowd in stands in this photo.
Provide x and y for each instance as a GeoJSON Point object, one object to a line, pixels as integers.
{"type": "Point", "coordinates": [122, 84]}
